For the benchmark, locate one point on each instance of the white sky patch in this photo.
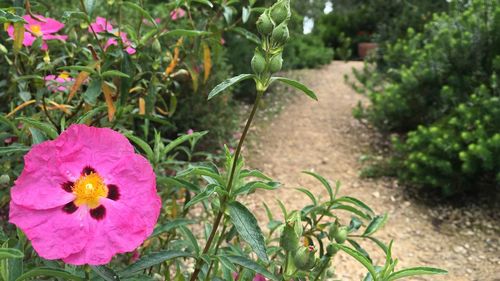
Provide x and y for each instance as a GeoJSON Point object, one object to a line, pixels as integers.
{"type": "Point", "coordinates": [308, 25]}
{"type": "Point", "coordinates": [328, 7]}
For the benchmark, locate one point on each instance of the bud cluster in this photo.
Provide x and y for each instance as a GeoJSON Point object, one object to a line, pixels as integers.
{"type": "Point", "coordinates": [272, 26]}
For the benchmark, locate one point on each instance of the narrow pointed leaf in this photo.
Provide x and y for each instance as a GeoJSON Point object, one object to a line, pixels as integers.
{"type": "Point", "coordinates": [228, 83]}
{"type": "Point", "coordinates": [250, 264]}
{"type": "Point", "coordinates": [376, 223]}
{"type": "Point", "coordinates": [297, 85]}
{"type": "Point", "coordinates": [151, 260]}
{"type": "Point", "coordinates": [9, 253]}
{"type": "Point", "coordinates": [49, 272]}
{"type": "Point", "coordinates": [414, 271]}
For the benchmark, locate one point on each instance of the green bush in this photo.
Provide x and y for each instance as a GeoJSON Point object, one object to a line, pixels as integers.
{"type": "Point", "coordinates": [307, 51]}
{"type": "Point", "coordinates": [437, 87]}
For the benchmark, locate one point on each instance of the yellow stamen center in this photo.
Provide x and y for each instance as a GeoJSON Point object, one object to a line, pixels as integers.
{"type": "Point", "coordinates": [64, 75]}
{"type": "Point", "coordinates": [89, 189]}
{"type": "Point", "coordinates": [36, 30]}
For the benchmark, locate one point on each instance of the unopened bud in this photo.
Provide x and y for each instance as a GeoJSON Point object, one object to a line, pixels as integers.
{"type": "Point", "coordinates": [258, 62]}
{"type": "Point", "coordinates": [156, 45]}
{"type": "Point", "coordinates": [280, 34]}
{"type": "Point", "coordinates": [264, 24]}
{"type": "Point", "coordinates": [4, 179]}
{"type": "Point", "coordinates": [341, 235]}
{"type": "Point", "coordinates": [289, 239]}
{"type": "Point", "coordinates": [331, 250]}
{"type": "Point", "coordinates": [304, 258]}
{"type": "Point", "coordinates": [281, 11]}
{"type": "Point", "coordinates": [276, 63]}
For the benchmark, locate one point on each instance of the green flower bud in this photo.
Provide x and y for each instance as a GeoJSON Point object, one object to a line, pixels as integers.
{"type": "Point", "coordinates": [280, 34]}
{"type": "Point", "coordinates": [331, 250]}
{"type": "Point", "coordinates": [276, 63]}
{"type": "Point", "coordinates": [264, 24]}
{"type": "Point", "coordinates": [4, 179]}
{"type": "Point", "coordinates": [156, 46]}
{"type": "Point", "coordinates": [258, 62]}
{"type": "Point", "coordinates": [289, 239]}
{"type": "Point", "coordinates": [341, 235]}
{"type": "Point", "coordinates": [304, 258]}
{"type": "Point", "coordinates": [281, 11]}
{"type": "Point", "coordinates": [333, 230]}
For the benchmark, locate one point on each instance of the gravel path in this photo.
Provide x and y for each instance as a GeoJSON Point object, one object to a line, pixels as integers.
{"type": "Point", "coordinates": [325, 138]}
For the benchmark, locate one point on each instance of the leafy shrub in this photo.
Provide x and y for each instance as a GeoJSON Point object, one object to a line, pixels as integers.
{"type": "Point", "coordinates": [436, 85]}
{"type": "Point", "coordinates": [307, 51]}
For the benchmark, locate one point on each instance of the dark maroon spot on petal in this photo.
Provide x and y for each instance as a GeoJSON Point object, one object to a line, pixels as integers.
{"type": "Point", "coordinates": [113, 192]}
{"type": "Point", "coordinates": [98, 213]}
{"type": "Point", "coordinates": [70, 208]}
{"type": "Point", "coordinates": [67, 186]}
{"type": "Point", "coordinates": [88, 170]}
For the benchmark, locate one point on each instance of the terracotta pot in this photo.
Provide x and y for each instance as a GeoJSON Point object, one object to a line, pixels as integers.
{"type": "Point", "coordinates": [365, 48]}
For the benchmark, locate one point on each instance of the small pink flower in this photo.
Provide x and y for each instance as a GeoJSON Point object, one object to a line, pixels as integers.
{"type": "Point", "coordinates": [101, 25]}
{"type": "Point", "coordinates": [190, 131]}
{"type": "Point", "coordinates": [10, 140]}
{"type": "Point", "coordinates": [60, 83]}
{"type": "Point", "coordinates": [44, 29]}
{"type": "Point", "coordinates": [258, 277]}
{"type": "Point", "coordinates": [222, 41]}
{"type": "Point", "coordinates": [177, 13]}
{"type": "Point", "coordinates": [85, 197]}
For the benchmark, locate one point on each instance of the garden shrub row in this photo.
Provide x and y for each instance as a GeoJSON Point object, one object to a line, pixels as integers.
{"type": "Point", "coordinates": [438, 90]}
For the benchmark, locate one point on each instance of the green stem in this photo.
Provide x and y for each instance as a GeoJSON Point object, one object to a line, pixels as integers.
{"type": "Point", "coordinates": [222, 209]}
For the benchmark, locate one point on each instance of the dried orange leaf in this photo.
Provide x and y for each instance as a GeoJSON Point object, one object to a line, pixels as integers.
{"type": "Point", "coordinates": [207, 62]}
{"type": "Point", "coordinates": [82, 76]}
{"type": "Point", "coordinates": [109, 92]}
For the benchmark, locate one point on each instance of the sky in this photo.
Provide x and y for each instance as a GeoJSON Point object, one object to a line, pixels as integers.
{"type": "Point", "coordinates": [309, 23]}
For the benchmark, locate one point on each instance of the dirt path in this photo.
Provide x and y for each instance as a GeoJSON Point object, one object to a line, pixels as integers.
{"type": "Point", "coordinates": [325, 138]}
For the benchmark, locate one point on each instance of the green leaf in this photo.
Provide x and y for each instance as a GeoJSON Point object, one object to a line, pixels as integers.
{"type": "Point", "coordinates": [407, 272]}
{"type": "Point", "coordinates": [89, 114]}
{"type": "Point", "coordinates": [376, 223]}
{"type": "Point", "coordinates": [309, 194]}
{"type": "Point", "coordinates": [113, 73]}
{"type": "Point", "coordinates": [200, 197]}
{"type": "Point", "coordinates": [90, 6]}
{"type": "Point", "coordinates": [228, 83]}
{"type": "Point", "coordinates": [250, 264]}
{"type": "Point", "coordinates": [354, 201]}
{"type": "Point", "coordinates": [142, 144]}
{"type": "Point", "coordinates": [247, 227]}
{"type": "Point", "coordinates": [49, 272]}
{"type": "Point", "coordinates": [106, 273]}
{"type": "Point", "coordinates": [151, 260]}
{"type": "Point", "coordinates": [359, 257]}
{"type": "Point", "coordinates": [93, 91]}
{"type": "Point", "coordinates": [297, 85]}
{"type": "Point", "coordinates": [379, 243]}
{"type": "Point", "coordinates": [352, 210]}
{"type": "Point", "coordinates": [8, 17]}
{"type": "Point", "coordinates": [173, 144]}
{"type": "Point", "coordinates": [139, 9]}
{"type": "Point", "coordinates": [185, 32]}
{"type": "Point", "coordinates": [245, 14]}
{"type": "Point", "coordinates": [9, 253]}
{"type": "Point", "coordinates": [247, 34]}
{"type": "Point", "coordinates": [14, 149]}
{"type": "Point", "coordinates": [191, 239]}
{"type": "Point", "coordinates": [171, 225]}
{"type": "Point", "coordinates": [323, 181]}
{"type": "Point", "coordinates": [206, 2]}
{"type": "Point", "coordinates": [48, 129]}
{"type": "Point", "coordinates": [78, 68]}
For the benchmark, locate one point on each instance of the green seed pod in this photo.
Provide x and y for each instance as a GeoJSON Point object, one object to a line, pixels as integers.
{"type": "Point", "coordinates": [281, 11]}
{"type": "Point", "coordinates": [156, 46]}
{"type": "Point", "coordinates": [341, 235]}
{"type": "Point", "coordinates": [276, 63]}
{"type": "Point", "coordinates": [289, 239]}
{"type": "Point", "coordinates": [280, 34]}
{"type": "Point", "coordinates": [258, 62]}
{"type": "Point", "coordinates": [264, 24]}
{"type": "Point", "coordinates": [304, 258]}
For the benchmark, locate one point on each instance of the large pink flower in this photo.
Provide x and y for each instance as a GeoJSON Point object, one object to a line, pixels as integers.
{"type": "Point", "coordinates": [85, 196]}
{"type": "Point", "coordinates": [45, 29]}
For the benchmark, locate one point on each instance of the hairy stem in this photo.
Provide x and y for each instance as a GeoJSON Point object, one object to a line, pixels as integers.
{"type": "Point", "coordinates": [222, 209]}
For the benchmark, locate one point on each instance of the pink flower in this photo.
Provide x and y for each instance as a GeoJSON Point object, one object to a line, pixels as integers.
{"type": "Point", "coordinates": [258, 277]}
{"type": "Point", "coordinates": [222, 41]}
{"type": "Point", "coordinates": [177, 13]}
{"type": "Point", "coordinates": [34, 29]}
{"type": "Point", "coordinates": [101, 25]}
{"type": "Point", "coordinates": [85, 196]}
{"type": "Point", "coordinates": [59, 83]}
{"type": "Point", "coordinates": [190, 131]}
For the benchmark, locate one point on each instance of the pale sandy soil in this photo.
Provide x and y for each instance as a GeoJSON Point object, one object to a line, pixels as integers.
{"type": "Point", "coordinates": [325, 138]}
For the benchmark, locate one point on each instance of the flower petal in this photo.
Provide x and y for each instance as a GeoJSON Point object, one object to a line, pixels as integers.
{"type": "Point", "coordinates": [100, 148]}
{"type": "Point", "coordinates": [136, 183]}
{"type": "Point", "coordinates": [53, 233]}
{"type": "Point", "coordinates": [39, 185]}
{"type": "Point", "coordinates": [121, 230]}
